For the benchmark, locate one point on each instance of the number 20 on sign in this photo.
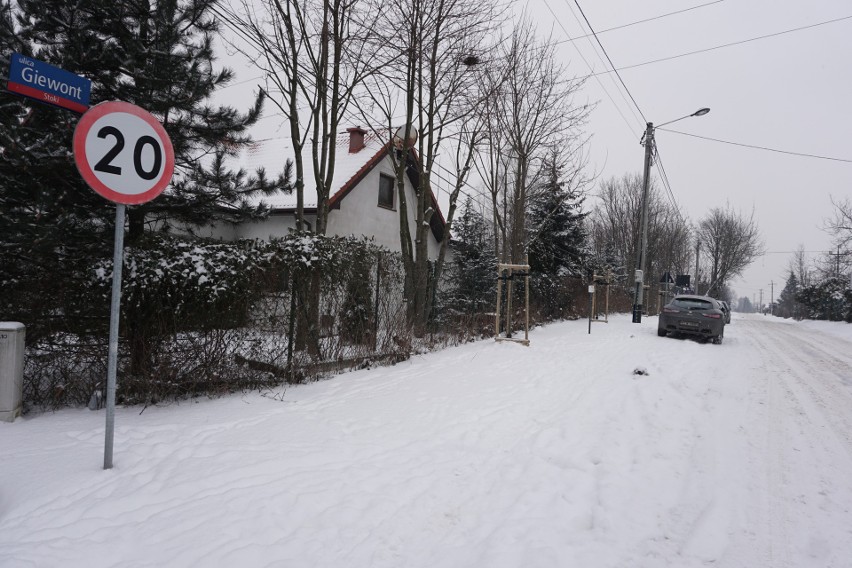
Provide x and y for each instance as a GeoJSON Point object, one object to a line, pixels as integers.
{"type": "Point", "coordinates": [123, 153]}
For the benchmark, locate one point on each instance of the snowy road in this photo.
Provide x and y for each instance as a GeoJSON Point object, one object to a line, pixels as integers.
{"type": "Point", "coordinates": [806, 459]}
{"type": "Point", "coordinates": [486, 455]}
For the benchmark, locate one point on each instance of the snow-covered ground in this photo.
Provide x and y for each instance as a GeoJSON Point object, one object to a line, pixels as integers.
{"type": "Point", "coordinates": [486, 455]}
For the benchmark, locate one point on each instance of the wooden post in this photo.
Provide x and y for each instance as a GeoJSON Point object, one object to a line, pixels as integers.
{"type": "Point", "coordinates": [499, 298]}
{"type": "Point", "coordinates": [509, 269]}
{"type": "Point", "coordinates": [376, 305]}
{"type": "Point", "coordinates": [593, 307]}
{"type": "Point", "coordinates": [510, 288]}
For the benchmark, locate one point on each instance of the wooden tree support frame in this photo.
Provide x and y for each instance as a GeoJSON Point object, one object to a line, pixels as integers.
{"type": "Point", "coordinates": [507, 273]}
{"type": "Point", "coordinates": [602, 280]}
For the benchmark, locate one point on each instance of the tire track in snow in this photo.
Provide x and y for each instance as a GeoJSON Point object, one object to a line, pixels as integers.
{"type": "Point", "coordinates": [828, 383]}
{"type": "Point", "coordinates": [808, 442]}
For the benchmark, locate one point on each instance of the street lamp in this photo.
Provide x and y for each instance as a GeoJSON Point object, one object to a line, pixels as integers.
{"type": "Point", "coordinates": [648, 141]}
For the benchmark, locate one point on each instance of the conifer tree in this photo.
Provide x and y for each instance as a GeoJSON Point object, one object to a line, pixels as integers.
{"type": "Point", "coordinates": [473, 268]}
{"type": "Point", "coordinates": [829, 299]}
{"type": "Point", "coordinates": [558, 245]}
{"type": "Point", "coordinates": [788, 306]}
{"type": "Point", "coordinates": [157, 54]}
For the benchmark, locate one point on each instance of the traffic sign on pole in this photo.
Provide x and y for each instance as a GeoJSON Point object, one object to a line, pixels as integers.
{"type": "Point", "coordinates": [123, 153]}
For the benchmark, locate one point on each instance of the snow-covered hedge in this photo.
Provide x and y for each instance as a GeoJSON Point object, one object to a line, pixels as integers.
{"type": "Point", "coordinates": [182, 281]}
{"type": "Point", "coordinates": [202, 316]}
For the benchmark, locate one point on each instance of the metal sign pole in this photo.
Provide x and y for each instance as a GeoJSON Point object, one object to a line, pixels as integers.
{"type": "Point", "coordinates": [115, 307]}
{"type": "Point", "coordinates": [99, 141]}
{"type": "Point", "coordinates": [591, 305]}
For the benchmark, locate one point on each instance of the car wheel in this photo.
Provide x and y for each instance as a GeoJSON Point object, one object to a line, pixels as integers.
{"type": "Point", "coordinates": [718, 340]}
{"type": "Point", "coordinates": [662, 332]}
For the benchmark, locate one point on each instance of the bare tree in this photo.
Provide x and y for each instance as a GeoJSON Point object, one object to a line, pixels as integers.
{"type": "Point", "coordinates": [841, 224]}
{"type": "Point", "coordinates": [530, 113]}
{"type": "Point", "coordinates": [730, 243]}
{"type": "Point", "coordinates": [615, 221]}
{"type": "Point", "coordinates": [800, 267]}
{"type": "Point", "coordinates": [312, 55]}
{"type": "Point", "coordinates": [427, 77]}
{"type": "Point", "coordinates": [616, 229]}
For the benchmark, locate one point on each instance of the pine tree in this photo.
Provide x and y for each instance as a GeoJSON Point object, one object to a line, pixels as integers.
{"type": "Point", "coordinates": [472, 271]}
{"type": "Point", "coordinates": [558, 245]}
{"type": "Point", "coordinates": [788, 306]}
{"type": "Point", "coordinates": [829, 299]}
{"type": "Point", "coordinates": [744, 305]}
{"type": "Point", "coordinates": [156, 54]}
{"type": "Point", "coordinates": [50, 221]}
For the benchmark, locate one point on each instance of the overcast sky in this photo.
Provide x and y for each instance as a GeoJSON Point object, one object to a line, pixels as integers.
{"type": "Point", "coordinates": [789, 92]}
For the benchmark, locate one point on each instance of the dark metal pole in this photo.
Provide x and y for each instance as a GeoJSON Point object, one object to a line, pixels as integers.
{"type": "Point", "coordinates": [643, 249]}
{"type": "Point", "coordinates": [591, 306]}
{"type": "Point", "coordinates": [697, 251]}
{"type": "Point", "coordinates": [376, 308]}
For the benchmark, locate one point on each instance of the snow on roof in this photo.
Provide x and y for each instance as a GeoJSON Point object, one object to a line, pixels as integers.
{"type": "Point", "coordinates": [272, 154]}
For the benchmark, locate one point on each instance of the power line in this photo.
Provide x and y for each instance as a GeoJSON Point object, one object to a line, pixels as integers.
{"type": "Point", "coordinates": [644, 21]}
{"type": "Point", "coordinates": [728, 44]}
{"type": "Point", "coordinates": [801, 154]}
{"type": "Point", "coordinates": [591, 68]}
{"type": "Point", "coordinates": [240, 83]}
{"type": "Point", "coordinates": [595, 50]}
{"type": "Point", "coordinates": [475, 196]}
{"type": "Point", "coordinates": [617, 74]}
{"type": "Point", "coordinates": [796, 251]}
{"type": "Point", "coordinates": [663, 174]}
{"type": "Point", "coordinates": [665, 177]}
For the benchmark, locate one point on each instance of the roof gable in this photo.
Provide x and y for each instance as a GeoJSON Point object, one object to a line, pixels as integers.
{"type": "Point", "coordinates": [350, 168]}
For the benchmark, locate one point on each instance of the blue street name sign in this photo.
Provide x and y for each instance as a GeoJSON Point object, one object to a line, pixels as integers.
{"type": "Point", "coordinates": [48, 84]}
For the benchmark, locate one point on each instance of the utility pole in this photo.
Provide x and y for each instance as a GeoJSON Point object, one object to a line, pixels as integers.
{"type": "Point", "coordinates": [837, 260]}
{"type": "Point", "coordinates": [772, 296]}
{"type": "Point", "coordinates": [760, 305]}
{"type": "Point", "coordinates": [640, 258]}
{"type": "Point", "coordinates": [697, 249]}
{"type": "Point", "coordinates": [639, 276]}
{"type": "Point", "coordinates": [754, 301]}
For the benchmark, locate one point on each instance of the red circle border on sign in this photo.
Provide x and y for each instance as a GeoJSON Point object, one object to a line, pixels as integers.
{"type": "Point", "coordinates": [79, 148]}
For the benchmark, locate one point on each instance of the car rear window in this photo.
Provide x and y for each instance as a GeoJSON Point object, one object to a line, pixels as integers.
{"type": "Point", "coordinates": [692, 304]}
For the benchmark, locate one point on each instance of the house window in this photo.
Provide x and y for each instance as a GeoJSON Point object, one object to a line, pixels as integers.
{"type": "Point", "coordinates": [386, 191]}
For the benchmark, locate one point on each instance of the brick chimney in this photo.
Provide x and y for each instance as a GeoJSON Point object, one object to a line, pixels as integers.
{"type": "Point", "coordinates": [356, 139]}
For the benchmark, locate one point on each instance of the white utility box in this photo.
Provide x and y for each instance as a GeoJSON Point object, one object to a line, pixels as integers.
{"type": "Point", "coordinates": [11, 369]}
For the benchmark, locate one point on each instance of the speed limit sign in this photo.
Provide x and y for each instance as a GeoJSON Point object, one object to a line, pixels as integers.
{"type": "Point", "coordinates": [123, 153]}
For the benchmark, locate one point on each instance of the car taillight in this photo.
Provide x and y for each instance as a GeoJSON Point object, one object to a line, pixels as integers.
{"type": "Point", "coordinates": [714, 316]}
{"type": "Point", "coordinates": [671, 311]}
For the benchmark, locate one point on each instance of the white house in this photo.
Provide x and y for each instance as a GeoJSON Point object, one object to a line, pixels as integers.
{"type": "Point", "coordinates": [364, 201]}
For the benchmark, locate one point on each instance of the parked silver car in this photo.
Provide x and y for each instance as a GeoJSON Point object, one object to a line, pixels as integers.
{"type": "Point", "coordinates": [702, 316]}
